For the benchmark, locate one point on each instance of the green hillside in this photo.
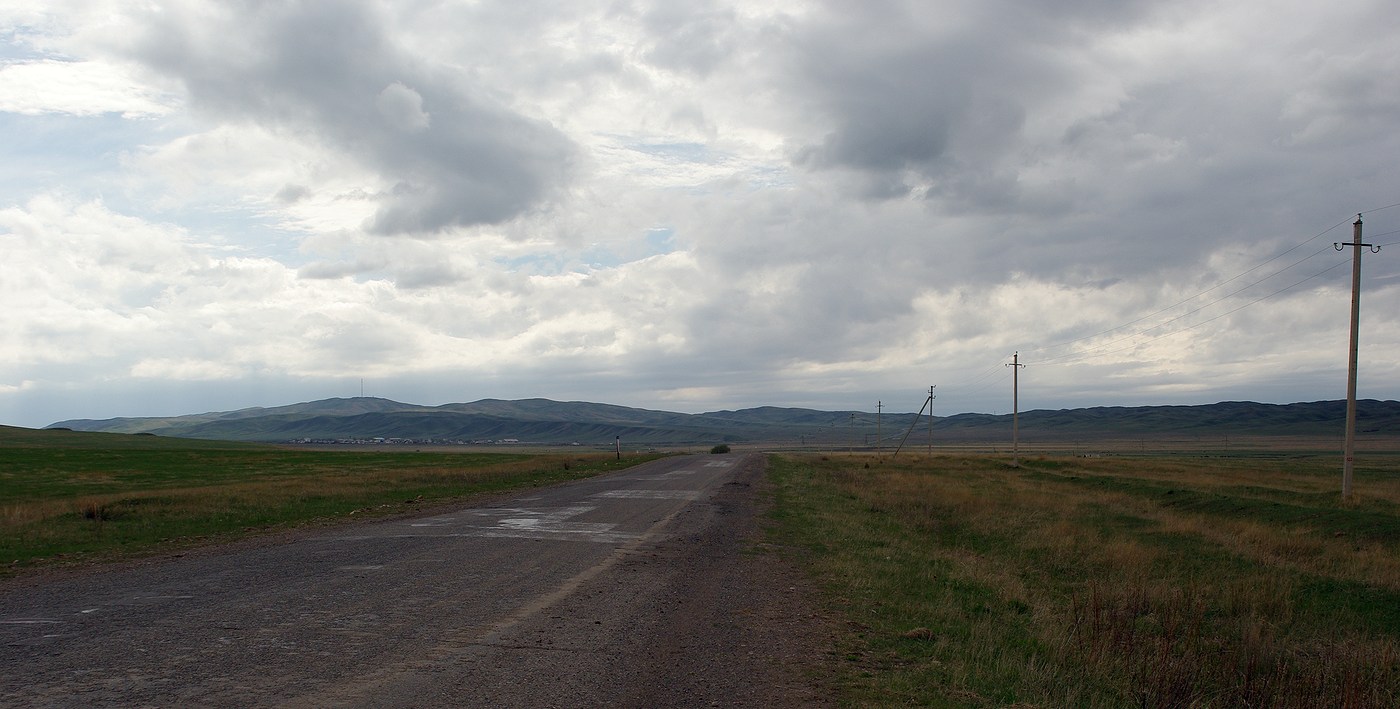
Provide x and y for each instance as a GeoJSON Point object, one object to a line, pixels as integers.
{"type": "Point", "coordinates": [543, 421]}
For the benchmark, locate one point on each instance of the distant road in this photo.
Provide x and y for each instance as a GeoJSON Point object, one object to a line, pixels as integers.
{"type": "Point", "coordinates": [632, 589]}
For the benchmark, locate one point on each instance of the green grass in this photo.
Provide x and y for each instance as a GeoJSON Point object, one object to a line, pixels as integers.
{"type": "Point", "coordinates": [1108, 582]}
{"type": "Point", "coordinates": [68, 496]}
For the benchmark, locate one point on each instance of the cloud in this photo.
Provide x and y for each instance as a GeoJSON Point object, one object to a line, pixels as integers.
{"type": "Point", "coordinates": [402, 107]}
{"type": "Point", "coordinates": [696, 37]}
{"type": "Point", "coordinates": [90, 286]}
{"type": "Point", "coordinates": [168, 369]}
{"type": "Point", "coordinates": [333, 75]}
{"type": "Point", "coordinates": [707, 206]}
{"type": "Point", "coordinates": [80, 88]}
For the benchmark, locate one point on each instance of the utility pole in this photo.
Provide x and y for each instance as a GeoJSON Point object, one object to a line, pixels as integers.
{"type": "Point", "coordinates": [927, 402]}
{"type": "Point", "coordinates": [1015, 408]}
{"type": "Point", "coordinates": [879, 410]}
{"type": "Point", "coordinates": [1349, 448]}
{"type": "Point", "coordinates": [931, 397]}
{"type": "Point", "coordinates": [851, 444]}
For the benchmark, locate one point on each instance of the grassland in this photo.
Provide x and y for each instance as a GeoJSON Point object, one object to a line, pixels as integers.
{"type": "Point", "coordinates": [68, 496]}
{"type": "Point", "coordinates": [1102, 582]}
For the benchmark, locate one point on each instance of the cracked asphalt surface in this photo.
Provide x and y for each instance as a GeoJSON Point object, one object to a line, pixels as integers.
{"type": "Point", "coordinates": [641, 588]}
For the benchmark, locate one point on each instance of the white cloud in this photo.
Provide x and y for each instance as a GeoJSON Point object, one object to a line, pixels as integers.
{"type": "Point", "coordinates": [402, 107]}
{"type": "Point", "coordinates": [710, 206]}
{"type": "Point", "coordinates": [88, 283]}
{"type": "Point", "coordinates": [320, 72]}
{"type": "Point", "coordinates": [184, 370]}
{"type": "Point", "coordinates": [80, 88]}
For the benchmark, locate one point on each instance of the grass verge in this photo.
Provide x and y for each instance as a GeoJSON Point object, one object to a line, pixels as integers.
{"type": "Point", "coordinates": [1106, 582]}
{"type": "Point", "coordinates": [68, 496]}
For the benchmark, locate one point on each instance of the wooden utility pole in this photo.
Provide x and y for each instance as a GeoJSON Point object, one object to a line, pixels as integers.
{"type": "Point", "coordinates": [1015, 408]}
{"type": "Point", "coordinates": [1349, 448]}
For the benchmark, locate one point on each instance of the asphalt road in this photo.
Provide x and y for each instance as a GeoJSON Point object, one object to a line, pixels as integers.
{"type": "Point", "coordinates": [634, 589]}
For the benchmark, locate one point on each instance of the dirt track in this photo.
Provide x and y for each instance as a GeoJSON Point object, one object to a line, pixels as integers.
{"type": "Point", "coordinates": [638, 589]}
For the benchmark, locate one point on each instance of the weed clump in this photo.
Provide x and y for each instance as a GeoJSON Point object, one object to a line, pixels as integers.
{"type": "Point", "coordinates": [94, 511]}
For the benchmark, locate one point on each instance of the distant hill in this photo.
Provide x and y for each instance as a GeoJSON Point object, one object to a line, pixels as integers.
{"type": "Point", "coordinates": [542, 421]}
{"type": "Point", "coordinates": [14, 437]}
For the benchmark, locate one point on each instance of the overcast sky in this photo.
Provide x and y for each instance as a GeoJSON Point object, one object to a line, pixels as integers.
{"type": "Point", "coordinates": [693, 206]}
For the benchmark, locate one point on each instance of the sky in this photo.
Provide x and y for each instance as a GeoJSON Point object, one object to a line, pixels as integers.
{"type": "Point", "coordinates": [695, 206]}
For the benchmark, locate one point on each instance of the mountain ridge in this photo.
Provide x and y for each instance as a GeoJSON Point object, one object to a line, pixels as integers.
{"type": "Point", "coordinates": [546, 421]}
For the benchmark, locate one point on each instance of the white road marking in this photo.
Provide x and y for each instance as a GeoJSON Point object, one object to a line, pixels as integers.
{"type": "Point", "coordinates": [362, 567]}
{"type": "Point", "coordinates": [605, 537]}
{"type": "Point", "coordinates": [538, 518]}
{"type": "Point", "coordinates": [720, 464]}
{"type": "Point", "coordinates": [30, 621]}
{"type": "Point", "coordinates": [543, 523]}
{"type": "Point", "coordinates": [442, 521]}
{"type": "Point", "coordinates": [512, 523]}
{"type": "Point", "coordinates": [547, 523]}
{"type": "Point", "coordinates": [651, 494]}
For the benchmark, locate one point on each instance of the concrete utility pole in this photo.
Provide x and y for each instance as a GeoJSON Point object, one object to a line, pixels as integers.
{"type": "Point", "coordinates": [929, 403]}
{"type": "Point", "coordinates": [879, 410]}
{"type": "Point", "coordinates": [1349, 448]}
{"type": "Point", "coordinates": [1015, 408]}
{"type": "Point", "coordinates": [931, 397]}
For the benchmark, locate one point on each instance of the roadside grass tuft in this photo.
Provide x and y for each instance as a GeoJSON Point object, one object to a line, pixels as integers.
{"type": "Point", "coordinates": [1088, 583]}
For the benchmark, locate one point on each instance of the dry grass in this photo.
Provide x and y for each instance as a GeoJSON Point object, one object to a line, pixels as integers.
{"type": "Point", "coordinates": [1090, 583]}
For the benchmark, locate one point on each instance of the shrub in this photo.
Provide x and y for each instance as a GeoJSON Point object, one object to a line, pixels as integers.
{"type": "Point", "coordinates": [721, 448]}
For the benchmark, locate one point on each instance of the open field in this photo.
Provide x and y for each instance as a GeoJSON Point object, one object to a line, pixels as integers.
{"type": "Point", "coordinates": [1153, 581]}
{"type": "Point", "coordinates": [68, 496]}
{"type": "Point", "coordinates": [1091, 445]}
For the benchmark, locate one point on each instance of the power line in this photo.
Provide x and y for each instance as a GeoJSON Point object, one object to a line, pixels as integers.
{"type": "Point", "coordinates": [1079, 355]}
{"type": "Point", "coordinates": [985, 380]}
{"type": "Point", "coordinates": [1214, 287]}
{"type": "Point", "coordinates": [1379, 209]}
{"type": "Point", "coordinates": [1073, 356]}
{"type": "Point", "coordinates": [1204, 322]}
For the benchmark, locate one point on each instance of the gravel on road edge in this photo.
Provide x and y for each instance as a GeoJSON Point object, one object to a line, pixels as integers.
{"type": "Point", "coordinates": [708, 615]}
{"type": "Point", "coordinates": [752, 632]}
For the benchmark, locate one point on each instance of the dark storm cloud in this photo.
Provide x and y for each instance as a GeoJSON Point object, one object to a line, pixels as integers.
{"type": "Point", "coordinates": [331, 73]}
